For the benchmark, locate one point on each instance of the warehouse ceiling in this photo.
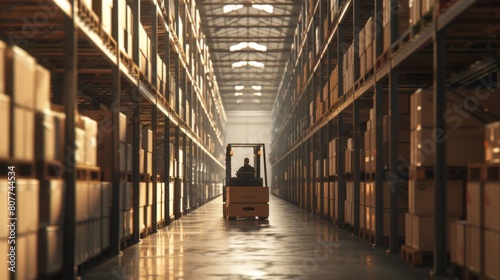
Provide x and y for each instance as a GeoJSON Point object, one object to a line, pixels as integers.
{"type": "Point", "coordinates": [249, 44]}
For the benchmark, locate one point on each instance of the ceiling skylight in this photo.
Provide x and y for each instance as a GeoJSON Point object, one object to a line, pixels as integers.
{"type": "Point", "coordinates": [266, 8]}
{"type": "Point", "coordinates": [230, 8]}
{"type": "Point", "coordinates": [251, 63]}
{"type": "Point", "coordinates": [251, 45]}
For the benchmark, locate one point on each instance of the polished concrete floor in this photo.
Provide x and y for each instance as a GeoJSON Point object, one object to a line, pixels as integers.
{"type": "Point", "coordinates": [292, 244]}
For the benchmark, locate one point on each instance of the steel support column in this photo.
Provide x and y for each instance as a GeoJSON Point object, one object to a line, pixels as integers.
{"type": "Point", "coordinates": [440, 262]}
{"type": "Point", "coordinates": [379, 165]}
{"type": "Point", "coordinates": [69, 98]}
{"type": "Point", "coordinates": [356, 163]}
{"type": "Point", "coordinates": [340, 130]}
{"type": "Point", "coordinates": [166, 171]}
{"type": "Point", "coordinates": [136, 125]}
{"type": "Point", "coordinates": [356, 108]}
{"type": "Point", "coordinates": [115, 154]}
{"type": "Point", "coordinates": [393, 179]}
{"type": "Point", "coordinates": [154, 123]}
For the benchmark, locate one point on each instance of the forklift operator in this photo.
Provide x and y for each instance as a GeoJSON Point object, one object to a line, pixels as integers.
{"type": "Point", "coordinates": [246, 168]}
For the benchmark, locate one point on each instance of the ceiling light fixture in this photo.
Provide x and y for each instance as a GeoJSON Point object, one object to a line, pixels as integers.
{"type": "Point", "coordinates": [238, 94]}
{"type": "Point", "coordinates": [257, 94]}
{"type": "Point", "coordinates": [257, 87]}
{"type": "Point", "coordinates": [266, 8]}
{"type": "Point", "coordinates": [239, 87]}
{"type": "Point", "coordinates": [230, 8]}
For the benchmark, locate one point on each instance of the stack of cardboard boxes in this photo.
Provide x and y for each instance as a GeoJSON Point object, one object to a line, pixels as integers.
{"type": "Point", "coordinates": [420, 219]}
{"type": "Point", "coordinates": [332, 171]}
{"type": "Point", "coordinates": [401, 12]}
{"type": "Point", "coordinates": [475, 242]}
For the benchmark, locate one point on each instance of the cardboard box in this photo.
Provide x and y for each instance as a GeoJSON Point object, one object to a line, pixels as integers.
{"type": "Point", "coordinates": [490, 203]}
{"type": "Point", "coordinates": [21, 77]}
{"type": "Point", "coordinates": [4, 247]}
{"type": "Point", "coordinates": [4, 122]}
{"type": "Point", "coordinates": [104, 10]}
{"type": "Point", "coordinates": [104, 136]}
{"type": "Point", "coordinates": [80, 146]}
{"type": "Point", "coordinates": [408, 229]}
{"type": "Point", "coordinates": [149, 188]}
{"type": "Point", "coordinates": [23, 134]}
{"type": "Point", "coordinates": [52, 197]}
{"type": "Point", "coordinates": [95, 198]}
{"type": "Point", "coordinates": [90, 146]}
{"type": "Point", "coordinates": [492, 142]}
{"type": "Point", "coordinates": [45, 133]}
{"type": "Point", "coordinates": [491, 255]}
{"type": "Point", "coordinates": [3, 51]}
{"type": "Point", "coordinates": [106, 193]}
{"type": "Point", "coordinates": [457, 242]}
{"type": "Point", "coordinates": [82, 201]}
{"type": "Point", "coordinates": [473, 248]}
{"type": "Point", "coordinates": [26, 256]}
{"type": "Point", "coordinates": [4, 231]}
{"type": "Point", "coordinates": [42, 89]}
{"type": "Point", "coordinates": [105, 227]}
{"type": "Point", "coordinates": [474, 202]}
{"type": "Point", "coordinates": [50, 250]}
{"type": "Point", "coordinates": [423, 232]}
{"type": "Point", "coordinates": [143, 195]}
{"type": "Point", "coordinates": [415, 11]}
{"type": "Point", "coordinates": [125, 196]}
{"type": "Point", "coordinates": [27, 205]}
{"type": "Point", "coordinates": [421, 197]}
{"type": "Point", "coordinates": [147, 140]}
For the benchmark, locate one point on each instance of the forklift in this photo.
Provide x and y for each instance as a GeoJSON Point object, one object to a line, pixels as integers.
{"type": "Point", "coordinates": [246, 196]}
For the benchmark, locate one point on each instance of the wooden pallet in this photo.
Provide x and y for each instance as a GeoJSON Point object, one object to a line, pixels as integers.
{"type": "Point", "coordinates": [88, 173]}
{"type": "Point", "coordinates": [427, 173]}
{"type": "Point", "coordinates": [22, 169]}
{"type": "Point", "coordinates": [107, 176]}
{"type": "Point", "coordinates": [88, 17]}
{"type": "Point", "coordinates": [416, 257]}
{"type": "Point", "coordinates": [460, 272]}
{"type": "Point", "coordinates": [402, 41]}
{"type": "Point", "coordinates": [108, 41]}
{"type": "Point", "coordinates": [50, 170]}
{"type": "Point", "coordinates": [383, 59]}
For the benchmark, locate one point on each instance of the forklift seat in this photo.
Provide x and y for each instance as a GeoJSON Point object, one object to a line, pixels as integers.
{"type": "Point", "coordinates": [247, 175]}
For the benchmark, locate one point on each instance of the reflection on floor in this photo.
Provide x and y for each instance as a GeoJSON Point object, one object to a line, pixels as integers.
{"type": "Point", "coordinates": [292, 244]}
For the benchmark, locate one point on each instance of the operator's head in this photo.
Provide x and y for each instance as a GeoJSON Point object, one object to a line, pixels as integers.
{"type": "Point", "coordinates": [247, 161]}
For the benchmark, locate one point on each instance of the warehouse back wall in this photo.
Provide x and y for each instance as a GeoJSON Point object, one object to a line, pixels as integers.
{"type": "Point", "coordinates": [249, 127]}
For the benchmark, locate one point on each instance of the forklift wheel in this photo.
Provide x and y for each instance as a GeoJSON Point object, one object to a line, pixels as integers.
{"type": "Point", "coordinates": [262, 218]}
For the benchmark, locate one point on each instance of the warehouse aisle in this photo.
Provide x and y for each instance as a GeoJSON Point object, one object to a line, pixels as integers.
{"type": "Point", "coordinates": [293, 244]}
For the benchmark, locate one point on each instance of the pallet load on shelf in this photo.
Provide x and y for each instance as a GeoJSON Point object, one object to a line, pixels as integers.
{"type": "Point", "coordinates": [145, 53]}
{"type": "Point", "coordinates": [105, 143]}
{"type": "Point", "coordinates": [332, 171]}
{"type": "Point", "coordinates": [403, 15]}
{"type": "Point", "coordinates": [475, 242]}
{"type": "Point", "coordinates": [333, 10]}
{"type": "Point", "coordinates": [420, 11]}
{"type": "Point", "coordinates": [334, 91]}
{"type": "Point", "coordinates": [367, 211]}
{"type": "Point", "coordinates": [104, 10]}
{"type": "Point", "coordinates": [125, 33]}
{"type": "Point", "coordinates": [348, 68]}
{"type": "Point", "coordinates": [369, 47]}
{"type": "Point", "coordinates": [461, 132]}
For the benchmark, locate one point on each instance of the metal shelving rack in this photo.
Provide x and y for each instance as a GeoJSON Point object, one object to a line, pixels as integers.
{"type": "Point", "coordinates": [425, 55]}
{"type": "Point", "coordinates": [89, 69]}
